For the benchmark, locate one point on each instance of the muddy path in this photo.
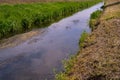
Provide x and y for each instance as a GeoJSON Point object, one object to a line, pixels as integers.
{"type": "Point", "coordinates": [37, 57]}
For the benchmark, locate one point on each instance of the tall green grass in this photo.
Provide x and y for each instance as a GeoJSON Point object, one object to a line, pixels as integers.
{"type": "Point", "coordinates": [17, 18]}
{"type": "Point", "coordinates": [84, 35]}
{"type": "Point", "coordinates": [94, 19]}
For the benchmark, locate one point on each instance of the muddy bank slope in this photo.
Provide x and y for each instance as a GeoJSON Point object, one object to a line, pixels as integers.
{"type": "Point", "coordinates": [100, 58]}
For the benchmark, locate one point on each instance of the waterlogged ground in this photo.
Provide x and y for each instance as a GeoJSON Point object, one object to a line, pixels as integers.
{"type": "Point", "coordinates": [38, 57]}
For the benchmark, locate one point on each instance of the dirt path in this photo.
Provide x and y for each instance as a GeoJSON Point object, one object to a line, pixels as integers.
{"type": "Point", "coordinates": [101, 59]}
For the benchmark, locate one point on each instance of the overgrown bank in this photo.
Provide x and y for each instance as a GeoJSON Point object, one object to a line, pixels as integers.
{"type": "Point", "coordinates": [17, 18]}
{"type": "Point", "coordinates": [99, 56]}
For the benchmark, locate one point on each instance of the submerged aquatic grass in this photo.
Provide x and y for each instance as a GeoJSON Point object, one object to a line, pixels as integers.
{"type": "Point", "coordinates": [18, 18]}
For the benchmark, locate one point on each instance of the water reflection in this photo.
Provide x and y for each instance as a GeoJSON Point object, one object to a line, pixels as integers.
{"type": "Point", "coordinates": [36, 58]}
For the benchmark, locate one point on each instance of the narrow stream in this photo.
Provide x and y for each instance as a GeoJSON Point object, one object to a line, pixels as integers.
{"type": "Point", "coordinates": [36, 58]}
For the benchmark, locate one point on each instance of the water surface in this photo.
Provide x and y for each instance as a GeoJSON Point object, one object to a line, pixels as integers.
{"type": "Point", "coordinates": [36, 58]}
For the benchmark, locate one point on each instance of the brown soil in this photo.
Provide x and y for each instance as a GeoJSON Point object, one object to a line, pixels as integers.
{"type": "Point", "coordinates": [100, 60]}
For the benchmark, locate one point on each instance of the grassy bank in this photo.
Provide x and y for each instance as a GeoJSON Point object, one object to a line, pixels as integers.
{"type": "Point", "coordinates": [18, 18]}
{"type": "Point", "coordinates": [99, 57]}
{"type": "Point", "coordinates": [94, 19]}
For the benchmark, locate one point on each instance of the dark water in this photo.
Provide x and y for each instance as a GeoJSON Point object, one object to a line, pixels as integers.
{"type": "Point", "coordinates": [36, 58]}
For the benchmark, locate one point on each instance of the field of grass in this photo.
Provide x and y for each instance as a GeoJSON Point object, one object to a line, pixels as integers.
{"type": "Point", "coordinates": [18, 18]}
{"type": "Point", "coordinates": [32, 1]}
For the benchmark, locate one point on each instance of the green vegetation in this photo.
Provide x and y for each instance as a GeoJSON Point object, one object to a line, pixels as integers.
{"type": "Point", "coordinates": [61, 76]}
{"type": "Point", "coordinates": [96, 14]}
{"type": "Point", "coordinates": [18, 18]}
{"type": "Point", "coordinates": [68, 64]}
{"type": "Point", "coordinates": [82, 39]}
{"type": "Point", "coordinates": [94, 19]}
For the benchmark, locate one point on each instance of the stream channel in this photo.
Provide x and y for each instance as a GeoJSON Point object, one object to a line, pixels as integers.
{"type": "Point", "coordinates": [39, 56]}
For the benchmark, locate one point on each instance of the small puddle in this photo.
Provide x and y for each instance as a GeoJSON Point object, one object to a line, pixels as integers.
{"type": "Point", "coordinates": [36, 58]}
